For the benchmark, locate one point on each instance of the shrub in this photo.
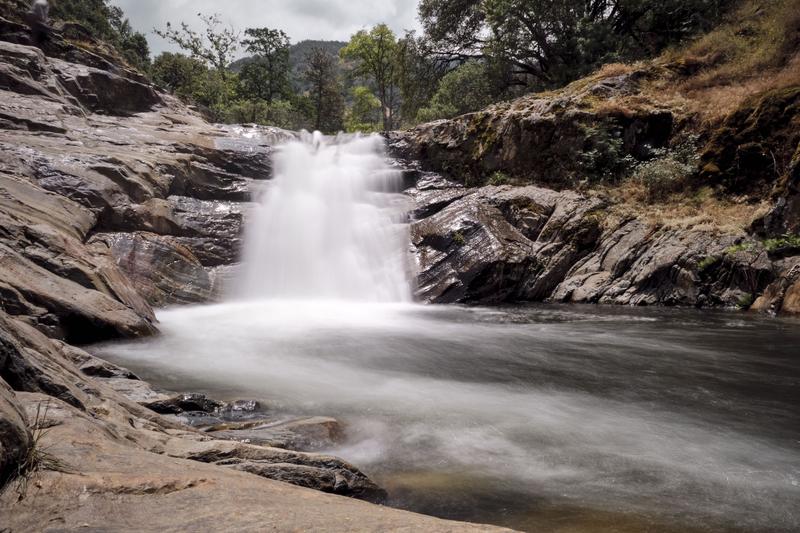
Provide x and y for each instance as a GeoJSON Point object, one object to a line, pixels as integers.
{"type": "Point", "coordinates": [499, 178]}
{"type": "Point", "coordinates": [668, 172]}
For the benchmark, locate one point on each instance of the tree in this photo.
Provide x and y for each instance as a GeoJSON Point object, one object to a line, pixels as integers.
{"type": "Point", "coordinates": [132, 45]}
{"type": "Point", "coordinates": [177, 73]}
{"type": "Point", "coordinates": [108, 23]}
{"type": "Point", "coordinates": [365, 113]}
{"type": "Point", "coordinates": [269, 72]}
{"type": "Point", "coordinates": [326, 90]}
{"type": "Point", "coordinates": [555, 41]}
{"type": "Point", "coordinates": [215, 47]}
{"type": "Point", "coordinates": [375, 53]}
{"type": "Point", "coordinates": [418, 75]}
{"type": "Point", "coordinates": [463, 90]}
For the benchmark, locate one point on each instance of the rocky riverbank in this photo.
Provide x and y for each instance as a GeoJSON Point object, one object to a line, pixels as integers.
{"type": "Point", "coordinates": [516, 203]}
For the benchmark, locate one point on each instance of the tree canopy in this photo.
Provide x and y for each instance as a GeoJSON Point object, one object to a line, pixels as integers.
{"type": "Point", "coordinates": [375, 53]}
{"type": "Point", "coordinates": [555, 41]}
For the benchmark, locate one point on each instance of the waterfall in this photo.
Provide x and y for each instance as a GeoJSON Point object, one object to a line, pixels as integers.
{"type": "Point", "coordinates": [331, 225]}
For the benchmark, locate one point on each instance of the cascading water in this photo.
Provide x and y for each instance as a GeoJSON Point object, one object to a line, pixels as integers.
{"type": "Point", "coordinates": [330, 225]}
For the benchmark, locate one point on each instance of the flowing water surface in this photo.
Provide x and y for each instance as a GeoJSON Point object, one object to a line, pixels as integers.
{"type": "Point", "coordinates": [542, 418]}
{"type": "Point", "coordinates": [524, 416]}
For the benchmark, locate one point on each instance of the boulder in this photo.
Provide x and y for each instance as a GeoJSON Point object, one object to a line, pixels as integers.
{"type": "Point", "coordinates": [300, 434]}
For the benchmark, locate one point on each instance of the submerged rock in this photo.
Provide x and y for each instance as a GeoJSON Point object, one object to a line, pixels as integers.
{"type": "Point", "coordinates": [300, 434]}
{"type": "Point", "coordinates": [320, 472]}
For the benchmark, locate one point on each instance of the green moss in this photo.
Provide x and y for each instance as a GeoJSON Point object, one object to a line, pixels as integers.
{"type": "Point", "coordinates": [784, 241]}
{"type": "Point", "coordinates": [707, 263]}
{"type": "Point", "coordinates": [746, 301]}
{"type": "Point", "coordinates": [735, 249]}
{"type": "Point", "coordinates": [459, 239]}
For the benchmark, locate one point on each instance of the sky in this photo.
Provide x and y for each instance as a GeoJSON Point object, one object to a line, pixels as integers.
{"type": "Point", "coordinates": [301, 19]}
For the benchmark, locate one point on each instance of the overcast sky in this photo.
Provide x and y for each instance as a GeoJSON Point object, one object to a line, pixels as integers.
{"type": "Point", "coordinates": [301, 19]}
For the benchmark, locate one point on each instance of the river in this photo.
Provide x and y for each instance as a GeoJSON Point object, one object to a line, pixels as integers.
{"type": "Point", "coordinates": [542, 418]}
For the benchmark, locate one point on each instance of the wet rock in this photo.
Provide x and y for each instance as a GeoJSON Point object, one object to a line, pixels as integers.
{"type": "Point", "coordinates": [501, 244]}
{"type": "Point", "coordinates": [161, 269]}
{"type": "Point", "coordinates": [211, 230]}
{"type": "Point", "coordinates": [320, 472]}
{"type": "Point", "coordinates": [30, 362]}
{"type": "Point", "coordinates": [241, 408]}
{"type": "Point", "coordinates": [84, 315]}
{"type": "Point", "coordinates": [136, 390]}
{"type": "Point", "coordinates": [104, 91]}
{"type": "Point", "coordinates": [301, 434]}
{"type": "Point", "coordinates": [183, 403]}
{"type": "Point", "coordinates": [94, 366]}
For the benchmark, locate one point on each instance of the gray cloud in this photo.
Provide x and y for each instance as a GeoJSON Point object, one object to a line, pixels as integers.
{"type": "Point", "coordinates": [301, 19]}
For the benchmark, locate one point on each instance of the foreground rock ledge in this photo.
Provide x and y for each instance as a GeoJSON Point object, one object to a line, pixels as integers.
{"type": "Point", "coordinates": [108, 481]}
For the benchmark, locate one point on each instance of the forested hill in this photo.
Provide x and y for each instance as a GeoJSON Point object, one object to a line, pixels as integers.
{"type": "Point", "coordinates": [297, 54]}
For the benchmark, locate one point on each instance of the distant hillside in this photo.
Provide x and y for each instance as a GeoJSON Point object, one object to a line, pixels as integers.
{"type": "Point", "coordinates": [297, 59]}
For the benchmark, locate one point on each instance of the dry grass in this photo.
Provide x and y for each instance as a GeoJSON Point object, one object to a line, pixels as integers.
{"type": "Point", "coordinates": [38, 458]}
{"type": "Point", "coordinates": [698, 210]}
{"type": "Point", "coordinates": [755, 51]}
{"type": "Point", "coordinates": [612, 70]}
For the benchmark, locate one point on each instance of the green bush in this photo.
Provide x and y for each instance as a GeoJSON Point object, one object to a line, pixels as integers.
{"type": "Point", "coordinates": [461, 91]}
{"type": "Point", "coordinates": [669, 170]}
{"type": "Point", "coordinates": [499, 178]}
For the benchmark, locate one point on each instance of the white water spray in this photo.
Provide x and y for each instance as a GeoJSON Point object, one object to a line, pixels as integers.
{"type": "Point", "coordinates": [331, 226]}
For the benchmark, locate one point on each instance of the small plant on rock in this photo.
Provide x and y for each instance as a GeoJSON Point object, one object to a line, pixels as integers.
{"type": "Point", "coordinates": [668, 171]}
{"type": "Point", "coordinates": [499, 178]}
{"type": "Point", "coordinates": [782, 242]}
{"type": "Point", "coordinates": [707, 263]}
{"type": "Point", "coordinates": [746, 301]}
{"type": "Point", "coordinates": [37, 459]}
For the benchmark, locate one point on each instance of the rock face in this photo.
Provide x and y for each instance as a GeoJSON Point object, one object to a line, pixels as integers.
{"type": "Point", "coordinates": [538, 138]}
{"type": "Point", "coordinates": [104, 216]}
{"type": "Point", "coordinates": [502, 244]}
